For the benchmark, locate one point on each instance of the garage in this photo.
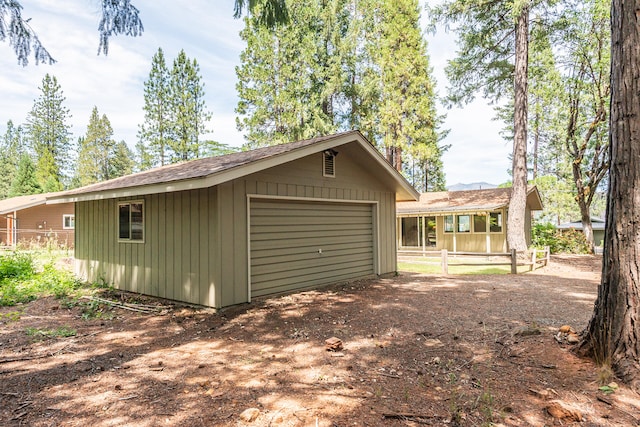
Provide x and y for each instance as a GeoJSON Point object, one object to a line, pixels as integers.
{"type": "Point", "coordinates": [296, 244]}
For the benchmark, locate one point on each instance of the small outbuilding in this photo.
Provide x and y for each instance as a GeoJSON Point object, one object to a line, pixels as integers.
{"type": "Point", "coordinates": [28, 220]}
{"type": "Point", "coordinates": [220, 231]}
{"type": "Point", "coordinates": [460, 221]}
{"type": "Point", "coordinates": [597, 225]}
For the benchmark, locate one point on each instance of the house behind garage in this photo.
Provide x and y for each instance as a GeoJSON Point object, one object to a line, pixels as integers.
{"type": "Point", "coordinates": [222, 230]}
{"type": "Point", "coordinates": [28, 221]}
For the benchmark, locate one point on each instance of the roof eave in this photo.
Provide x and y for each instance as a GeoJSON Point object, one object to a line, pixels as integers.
{"type": "Point", "coordinates": [404, 191]}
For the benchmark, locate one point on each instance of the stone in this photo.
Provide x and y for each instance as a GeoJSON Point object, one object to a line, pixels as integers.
{"type": "Point", "coordinates": [250, 415]}
{"type": "Point", "coordinates": [565, 329]}
{"type": "Point", "coordinates": [333, 344]}
{"type": "Point", "coordinates": [561, 411]}
{"type": "Point", "coordinates": [573, 339]}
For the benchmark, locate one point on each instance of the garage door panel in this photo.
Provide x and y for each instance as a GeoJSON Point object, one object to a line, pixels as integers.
{"type": "Point", "coordinates": [320, 242]}
{"type": "Point", "coordinates": [285, 238]}
{"type": "Point", "coordinates": [305, 236]}
{"type": "Point", "coordinates": [286, 266]}
{"type": "Point", "coordinates": [290, 228]}
{"type": "Point", "coordinates": [348, 247]}
{"type": "Point", "coordinates": [306, 281]}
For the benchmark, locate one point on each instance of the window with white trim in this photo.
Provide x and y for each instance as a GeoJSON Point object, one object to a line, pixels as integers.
{"type": "Point", "coordinates": [68, 222]}
{"type": "Point", "coordinates": [131, 221]}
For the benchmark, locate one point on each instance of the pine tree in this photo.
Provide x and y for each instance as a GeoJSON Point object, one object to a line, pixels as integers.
{"type": "Point", "coordinates": [122, 162]}
{"type": "Point", "coordinates": [155, 133]}
{"type": "Point", "coordinates": [47, 132]}
{"type": "Point", "coordinates": [96, 151]}
{"type": "Point", "coordinates": [189, 109]}
{"type": "Point", "coordinates": [11, 149]}
{"type": "Point", "coordinates": [25, 181]}
{"type": "Point", "coordinates": [408, 118]}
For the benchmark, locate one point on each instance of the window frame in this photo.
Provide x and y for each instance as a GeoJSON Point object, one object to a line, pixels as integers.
{"type": "Point", "coordinates": [501, 217]}
{"type": "Point", "coordinates": [72, 218]}
{"type": "Point", "coordinates": [452, 224]}
{"type": "Point", "coordinates": [458, 223]}
{"type": "Point", "coordinates": [130, 225]}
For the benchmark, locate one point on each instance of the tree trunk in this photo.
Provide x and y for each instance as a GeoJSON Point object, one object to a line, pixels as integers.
{"type": "Point", "coordinates": [517, 206]}
{"type": "Point", "coordinates": [613, 334]}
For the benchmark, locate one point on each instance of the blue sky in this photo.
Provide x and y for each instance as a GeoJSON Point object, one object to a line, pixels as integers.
{"type": "Point", "coordinates": [207, 32]}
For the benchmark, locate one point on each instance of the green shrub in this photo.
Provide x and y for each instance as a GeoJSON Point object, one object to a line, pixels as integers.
{"type": "Point", "coordinates": [559, 241]}
{"type": "Point", "coordinates": [17, 265]}
{"type": "Point", "coordinates": [20, 283]}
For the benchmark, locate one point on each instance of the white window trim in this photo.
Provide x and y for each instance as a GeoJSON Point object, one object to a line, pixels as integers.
{"type": "Point", "coordinates": [144, 232]}
{"type": "Point", "coordinates": [64, 221]}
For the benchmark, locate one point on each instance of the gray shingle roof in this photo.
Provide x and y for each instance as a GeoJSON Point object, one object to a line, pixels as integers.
{"type": "Point", "coordinates": [456, 201]}
{"type": "Point", "coordinates": [199, 168]}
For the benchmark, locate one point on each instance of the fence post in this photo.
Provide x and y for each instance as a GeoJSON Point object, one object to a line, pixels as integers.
{"type": "Point", "coordinates": [547, 257]}
{"type": "Point", "coordinates": [445, 261]}
{"type": "Point", "coordinates": [534, 259]}
{"type": "Point", "coordinates": [514, 262]}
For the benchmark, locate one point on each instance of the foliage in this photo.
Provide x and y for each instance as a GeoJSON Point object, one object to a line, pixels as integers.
{"type": "Point", "coordinates": [22, 38]}
{"type": "Point", "coordinates": [99, 156]}
{"type": "Point", "coordinates": [16, 265]}
{"type": "Point", "coordinates": [559, 241]}
{"type": "Point", "coordinates": [48, 134]}
{"type": "Point", "coordinates": [175, 113]}
{"type": "Point", "coordinates": [20, 282]}
{"type": "Point", "coordinates": [24, 180]}
{"type": "Point", "coordinates": [189, 110]}
{"type": "Point", "coordinates": [11, 150]}
{"type": "Point", "coordinates": [339, 65]}
{"type": "Point", "coordinates": [118, 17]}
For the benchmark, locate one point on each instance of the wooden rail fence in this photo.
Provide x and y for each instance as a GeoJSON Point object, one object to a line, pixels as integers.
{"type": "Point", "coordinates": [539, 258]}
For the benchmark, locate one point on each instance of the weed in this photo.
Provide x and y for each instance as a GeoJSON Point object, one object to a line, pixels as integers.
{"type": "Point", "coordinates": [12, 316]}
{"type": "Point", "coordinates": [62, 331]}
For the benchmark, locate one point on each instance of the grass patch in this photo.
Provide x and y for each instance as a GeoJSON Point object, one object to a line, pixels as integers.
{"type": "Point", "coordinates": [25, 276]}
{"type": "Point", "coordinates": [430, 267]}
{"type": "Point", "coordinates": [60, 332]}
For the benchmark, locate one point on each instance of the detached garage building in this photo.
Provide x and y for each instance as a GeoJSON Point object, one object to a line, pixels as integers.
{"type": "Point", "coordinates": [221, 230]}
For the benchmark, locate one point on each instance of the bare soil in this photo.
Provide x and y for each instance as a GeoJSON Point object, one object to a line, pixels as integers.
{"type": "Point", "coordinates": [417, 350]}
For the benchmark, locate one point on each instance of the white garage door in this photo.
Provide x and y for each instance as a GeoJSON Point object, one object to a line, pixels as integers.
{"type": "Point", "coordinates": [297, 244]}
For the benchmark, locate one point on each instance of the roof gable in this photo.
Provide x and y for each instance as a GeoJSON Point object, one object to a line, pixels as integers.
{"type": "Point", "coordinates": [202, 173]}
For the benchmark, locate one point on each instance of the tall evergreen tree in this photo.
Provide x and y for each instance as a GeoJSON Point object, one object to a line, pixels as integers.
{"type": "Point", "coordinates": [274, 82]}
{"type": "Point", "coordinates": [408, 119]}
{"type": "Point", "coordinates": [96, 151]}
{"type": "Point", "coordinates": [190, 114]}
{"type": "Point", "coordinates": [48, 134]}
{"type": "Point", "coordinates": [11, 149]}
{"type": "Point", "coordinates": [122, 162]}
{"type": "Point", "coordinates": [155, 133]}
{"type": "Point", "coordinates": [25, 181]}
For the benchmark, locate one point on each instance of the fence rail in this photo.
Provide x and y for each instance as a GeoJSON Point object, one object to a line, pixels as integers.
{"type": "Point", "coordinates": [36, 237]}
{"type": "Point", "coordinates": [539, 258]}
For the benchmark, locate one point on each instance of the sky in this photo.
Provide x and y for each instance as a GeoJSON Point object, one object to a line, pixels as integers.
{"type": "Point", "coordinates": [207, 32]}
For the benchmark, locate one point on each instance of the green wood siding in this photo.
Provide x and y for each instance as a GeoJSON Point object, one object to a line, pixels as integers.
{"type": "Point", "coordinates": [196, 241]}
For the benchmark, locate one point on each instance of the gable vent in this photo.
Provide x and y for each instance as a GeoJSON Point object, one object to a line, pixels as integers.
{"type": "Point", "coordinates": [329, 164]}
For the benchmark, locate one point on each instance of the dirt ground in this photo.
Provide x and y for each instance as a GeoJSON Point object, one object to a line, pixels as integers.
{"type": "Point", "coordinates": [417, 350]}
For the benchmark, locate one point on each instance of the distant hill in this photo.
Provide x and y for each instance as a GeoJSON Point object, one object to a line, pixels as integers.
{"type": "Point", "coordinates": [472, 186]}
